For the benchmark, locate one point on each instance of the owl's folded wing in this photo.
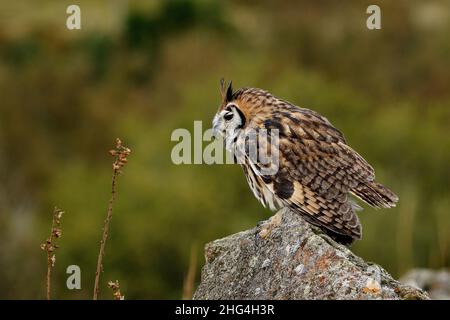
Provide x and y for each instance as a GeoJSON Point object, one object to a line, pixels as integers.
{"type": "Point", "coordinates": [316, 172]}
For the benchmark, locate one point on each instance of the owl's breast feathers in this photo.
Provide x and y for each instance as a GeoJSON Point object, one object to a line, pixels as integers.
{"type": "Point", "coordinates": [317, 169]}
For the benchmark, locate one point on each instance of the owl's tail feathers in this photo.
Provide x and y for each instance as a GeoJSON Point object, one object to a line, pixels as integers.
{"type": "Point", "coordinates": [376, 195]}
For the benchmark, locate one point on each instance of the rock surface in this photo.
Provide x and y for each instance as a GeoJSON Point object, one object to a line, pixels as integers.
{"type": "Point", "coordinates": [435, 282]}
{"type": "Point", "coordinates": [286, 258]}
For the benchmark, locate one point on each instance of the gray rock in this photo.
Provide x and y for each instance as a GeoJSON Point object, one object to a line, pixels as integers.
{"type": "Point", "coordinates": [287, 258]}
{"type": "Point", "coordinates": [435, 282]}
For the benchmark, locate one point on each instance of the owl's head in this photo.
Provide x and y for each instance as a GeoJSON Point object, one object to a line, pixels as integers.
{"type": "Point", "coordinates": [240, 108]}
{"type": "Point", "coordinates": [230, 118]}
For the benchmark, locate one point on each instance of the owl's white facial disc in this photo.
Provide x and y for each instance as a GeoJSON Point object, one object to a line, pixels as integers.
{"type": "Point", "coordinates": [227, 124]}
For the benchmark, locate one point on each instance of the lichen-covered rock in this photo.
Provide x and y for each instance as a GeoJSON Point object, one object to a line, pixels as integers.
{"type": "Point", "coordinates": [435, 282]}
{"type": "Point", "coordinates": [286, 258]}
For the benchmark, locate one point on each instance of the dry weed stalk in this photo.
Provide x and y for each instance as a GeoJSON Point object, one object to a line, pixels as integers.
{"type": "Point", "coordinates": [120, 154]}
{"type": "Point", "coordinates": [50, 247]}
{"type": "Point", "coordinates": [189, 280]}
{"type": "Point", "coordinates": [115, 286]}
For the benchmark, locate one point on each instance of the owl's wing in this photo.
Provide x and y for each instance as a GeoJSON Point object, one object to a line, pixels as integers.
{"type": "Point", "coordinates": [317, 169]}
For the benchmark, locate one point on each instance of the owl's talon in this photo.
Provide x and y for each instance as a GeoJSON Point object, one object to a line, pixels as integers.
{"type": "Point", "coordinates": [268, 226]}
{"type": "Point", "coordinates": [264, 233]}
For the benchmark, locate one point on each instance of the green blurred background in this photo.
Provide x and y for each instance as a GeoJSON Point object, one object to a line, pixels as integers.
{"type": "Point", "coordinates": [139, 69]}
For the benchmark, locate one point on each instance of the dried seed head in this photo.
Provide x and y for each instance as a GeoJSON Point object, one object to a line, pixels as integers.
{"type": "Point", "coordinates": [57, 232]}
{"type": "Point", "coordinates": [53, 260]}
{"type": "Point", "coordinates": [49, 246]}
{"type": "Point", "coordinates": [120, 153]}
{"type": "Point", "coordinates": [116, 290]}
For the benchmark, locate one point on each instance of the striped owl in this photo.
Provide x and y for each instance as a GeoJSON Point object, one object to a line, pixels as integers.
{"type": "Point", "coordinates": [316, 170]}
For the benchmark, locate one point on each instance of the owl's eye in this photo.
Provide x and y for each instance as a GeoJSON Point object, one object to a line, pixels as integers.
{"type": "Point", "coordinates": [228, 116]}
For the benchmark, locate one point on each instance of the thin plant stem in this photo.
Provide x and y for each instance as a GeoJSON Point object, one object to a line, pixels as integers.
{"type": "Point", "coordinates": [189, 280]}
{"type": "Point", "coordinates": [120, 153]}
{"type": "Point", "coordinates": [49, 246]}
{"type": "Point", "coordinates": [105, 236]}
{"type": "Point", "coordinates": [49, 265]}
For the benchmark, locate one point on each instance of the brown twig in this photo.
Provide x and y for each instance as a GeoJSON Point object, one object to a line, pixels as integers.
{"type": "Point", "coordinates": [120, 154]}
{"type": "Point", "coordinates": [115, 286]}
{"type": "Point", "coordinates": [49, 246]}
{"type": "Point", "coordinates": [189, 280]}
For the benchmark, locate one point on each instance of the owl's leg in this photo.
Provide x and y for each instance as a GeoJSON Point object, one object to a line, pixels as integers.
{"type": "Point", "coordinates": [273, 222]}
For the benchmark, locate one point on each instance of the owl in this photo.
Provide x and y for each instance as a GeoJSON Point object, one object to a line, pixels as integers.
{"type": "Point", "coordinates": [316, 170]}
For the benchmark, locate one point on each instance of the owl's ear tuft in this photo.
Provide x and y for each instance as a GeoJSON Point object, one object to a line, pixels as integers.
{"type": "Point", "coordinates": [226, 90]}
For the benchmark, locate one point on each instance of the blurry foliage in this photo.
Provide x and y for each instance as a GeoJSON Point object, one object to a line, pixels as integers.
{"type": "Point", "coordinates": [66, 94]}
